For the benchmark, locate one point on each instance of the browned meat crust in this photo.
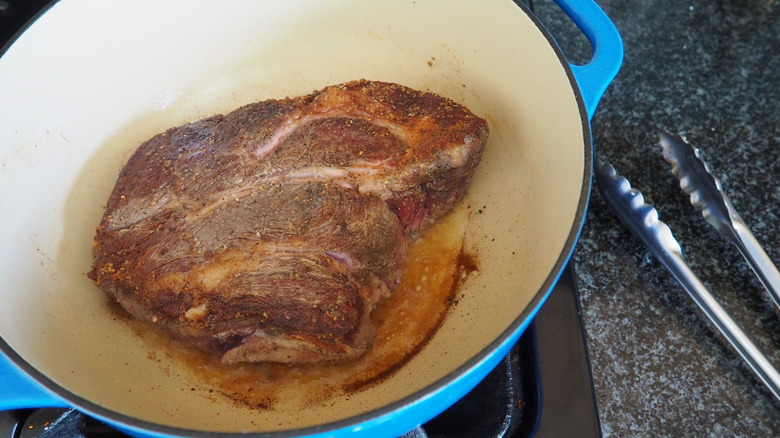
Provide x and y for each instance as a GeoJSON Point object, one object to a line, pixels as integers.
{"type": "Point", "coordinates": [270, 233]}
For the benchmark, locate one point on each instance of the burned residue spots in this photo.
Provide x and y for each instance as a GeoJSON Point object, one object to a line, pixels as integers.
{"type": "Point", "coordinates": [467, 263]}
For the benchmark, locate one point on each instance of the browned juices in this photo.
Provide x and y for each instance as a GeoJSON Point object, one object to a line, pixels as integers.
{"type": "Point", "coordinates": [405, 322]}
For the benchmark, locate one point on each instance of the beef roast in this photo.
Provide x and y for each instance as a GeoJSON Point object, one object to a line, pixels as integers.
{"type": "Point", "coordinates": [271, 233]}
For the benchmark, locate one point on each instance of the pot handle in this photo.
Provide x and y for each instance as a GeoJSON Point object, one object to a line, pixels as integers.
{"type": "Point", "coordinates": [19, 390]}
{"type": "Point", "coordinates": [594, 77]}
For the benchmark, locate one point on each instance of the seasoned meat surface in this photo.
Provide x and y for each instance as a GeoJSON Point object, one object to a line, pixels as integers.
{"type": "Point", "coordinates": [271, 233]}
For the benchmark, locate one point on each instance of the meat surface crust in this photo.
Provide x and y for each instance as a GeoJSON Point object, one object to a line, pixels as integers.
{"type": "Point", "coordinates": [272, 232]}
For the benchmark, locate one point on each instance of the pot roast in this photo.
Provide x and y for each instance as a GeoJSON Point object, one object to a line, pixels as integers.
{"type": "Point", "coordinates": [272, 232]}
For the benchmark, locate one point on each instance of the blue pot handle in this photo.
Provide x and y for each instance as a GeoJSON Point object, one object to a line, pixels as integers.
{"type": "Point", "coordinates": [594, 77]}
{"type": "Point", "coordinates": [19, 390]}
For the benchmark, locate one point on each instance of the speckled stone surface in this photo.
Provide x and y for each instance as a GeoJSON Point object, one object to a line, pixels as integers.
{"type": "Point", "coordinates": [711, 71]}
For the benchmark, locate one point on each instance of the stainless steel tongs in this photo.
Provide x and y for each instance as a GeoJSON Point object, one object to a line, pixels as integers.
{"type": "Point", "coordinates": [642, 219]}
{"type": "Point", "coordinates": [707, 195]}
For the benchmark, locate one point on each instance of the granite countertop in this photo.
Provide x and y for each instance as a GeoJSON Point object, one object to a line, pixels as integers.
{"type": "Point", "coordinates": [711, 71]}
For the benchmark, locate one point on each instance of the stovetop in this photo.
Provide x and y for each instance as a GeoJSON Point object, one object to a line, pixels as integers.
{"type": "Point", "coordinates": [542, 388]}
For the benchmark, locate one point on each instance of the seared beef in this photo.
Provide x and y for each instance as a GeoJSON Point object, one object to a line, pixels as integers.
{"type": "Point", "coordinates": [270, 233]}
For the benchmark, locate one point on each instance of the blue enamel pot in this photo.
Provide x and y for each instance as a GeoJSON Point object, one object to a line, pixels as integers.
{"type": "Point", "coordinates": [87, 81]}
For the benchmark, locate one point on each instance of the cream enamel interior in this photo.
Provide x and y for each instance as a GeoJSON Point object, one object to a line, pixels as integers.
{"type": "Point", "coordinates": [90, 80]}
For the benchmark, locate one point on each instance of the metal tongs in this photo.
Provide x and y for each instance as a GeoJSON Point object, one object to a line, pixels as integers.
{"type": "Point", "coordinates": [706, 194]}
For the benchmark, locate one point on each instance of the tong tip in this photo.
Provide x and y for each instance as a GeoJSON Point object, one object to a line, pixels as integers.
{"type": "Point", "coordinates": [639, 216]}
{"type": "Point", "coordinates": [696, 179]}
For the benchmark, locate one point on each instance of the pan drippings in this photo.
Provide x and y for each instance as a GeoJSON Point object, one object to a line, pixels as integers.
{"type": "Point", "coordinates": [405, 323]}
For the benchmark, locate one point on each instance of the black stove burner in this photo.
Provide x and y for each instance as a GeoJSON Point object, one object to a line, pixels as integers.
{"type": "Point", "coordinates": [541, 388]}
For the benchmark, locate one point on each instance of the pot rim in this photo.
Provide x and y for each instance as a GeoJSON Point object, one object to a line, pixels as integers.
{"type": "Point", "coordinates": [475, 369]}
